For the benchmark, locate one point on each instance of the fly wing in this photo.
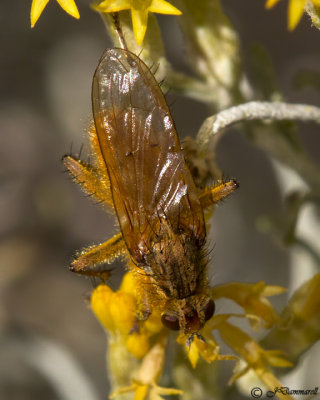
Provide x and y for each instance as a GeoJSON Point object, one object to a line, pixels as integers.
{"type": "Point", "coordinates": [150, 181]}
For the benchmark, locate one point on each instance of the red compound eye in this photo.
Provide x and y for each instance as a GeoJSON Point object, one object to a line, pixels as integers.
{"type": "Point", "coordinates": [209, 310]}
{"type": "Point", "coordinates": [170, 322]}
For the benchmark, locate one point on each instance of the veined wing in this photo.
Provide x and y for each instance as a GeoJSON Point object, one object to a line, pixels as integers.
{"type": "Point", "coordinates": [149, 179]}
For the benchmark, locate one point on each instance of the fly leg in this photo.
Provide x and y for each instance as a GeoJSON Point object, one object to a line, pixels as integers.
{"type": "Point", "coordinates": [88, 260]}
{"type": "Point", "coordinates": [90, 180]}
{"type": "Point", "coordinates": [213, 194]}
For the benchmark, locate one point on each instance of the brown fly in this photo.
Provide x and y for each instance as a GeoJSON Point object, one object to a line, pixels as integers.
{"type": "Point", "coordinates": [139, 170]}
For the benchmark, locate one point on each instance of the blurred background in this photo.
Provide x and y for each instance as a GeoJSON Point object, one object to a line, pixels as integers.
{"type": "Point", "coordinates": [51, 346]}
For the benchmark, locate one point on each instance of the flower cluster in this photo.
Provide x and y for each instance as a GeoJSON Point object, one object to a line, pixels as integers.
{"type": "Point", "coordinates": [147, 340]}
{"type": "Point", "coordinates": [117, 311]}
{"type": "Point", "coordinates": [139, 11]}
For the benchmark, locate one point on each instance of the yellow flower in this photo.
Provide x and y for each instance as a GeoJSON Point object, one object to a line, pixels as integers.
{"type": "Point", "coordinates": [117, 312]}
{"type": "Point", "coordinates": [295, 10]}
{"type": "Point", "coordinates": [252, 298]}
{"type": "Point", "coordinates": [144, 386]}
{"type": "Point", "coordinates": [205, 347]}
{"type": "Point", "coordinates": [38, 6]}
{"type": "Point", "coordinates": [139, 12]}
{"type": "Point", "coordinates": [256, 358]}
{"type": "Point", "coordinates": [100, 301]}
{"type": "Point", "coordinates": [299, 325]}
{"type": "Point", "coordinates": [147, 340]}
{"type": "Point", "coordinates": [137, 344]}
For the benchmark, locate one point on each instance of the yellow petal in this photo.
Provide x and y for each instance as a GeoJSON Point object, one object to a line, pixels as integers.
{"type": "Point", "coordinates": [271, 3]}
{"type": "Point", "coordinates": [163, 7]}
{"type": "Point", "coordinates": [276, 359]}
{"type": "Point", "coordinates": [122, 309]}
{"type": "Point", "coordinates": [139, 23]}
{"type": "Point", "coordinates": [157, 391]}
{"type": "Point", "coordinates": [141, 392]}
{"type": "Point", "coordinates": [193, 354]}
{"type": "Point", "coordinates": [36, 10]}
{"type": "Point", "coordinates": [316, 3]}
{"type": "Point", "coordinates": [129, 284]}
{"type": "Point", "coordinates": [100, 302]}
{"type": "Point", "coordinates": [252, 298]}
{"type": "Point", "coordinates": [112, 6]}
{"type": "Point", "coordinates": [295, 11]}
{"type": "Point", "coordinates": [70, 7]}
{"type": "Point", "coordinates": [127, 389]}
{"type": "Point", "coordinates": [153, 324]}
{"type": "Point", "coordinates": [138, 344]}
{"type": "Point", "coordinates": [273, 290]}
{"type": "Point", "coordinates": [304, 305]}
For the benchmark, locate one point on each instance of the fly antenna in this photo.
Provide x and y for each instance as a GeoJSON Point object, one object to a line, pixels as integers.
{"type": "Point", "coordinates": [117, 26]}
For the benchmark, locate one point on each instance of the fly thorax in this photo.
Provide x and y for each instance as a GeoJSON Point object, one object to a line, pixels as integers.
{"type": "Point", "coordinates": [177, 265]}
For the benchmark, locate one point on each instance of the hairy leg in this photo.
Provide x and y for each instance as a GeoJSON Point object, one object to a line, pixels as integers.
{"type": "Point", "coordinates": [90, 180]}
{"type": "Point", "coordinates": [213, 194]}
{"type": "Point", "coordinates": [88, 260]}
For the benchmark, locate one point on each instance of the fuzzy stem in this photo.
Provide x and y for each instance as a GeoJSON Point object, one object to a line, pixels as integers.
{"type": "Point", "coordinates": [268, 140]}
{"type": "Point", "coordinates": [254, 110]}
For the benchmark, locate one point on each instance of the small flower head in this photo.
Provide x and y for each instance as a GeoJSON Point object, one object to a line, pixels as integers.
{"type": "Point", "coordinates": [117, 312]}
{"type": "Point", "coordinates": [139, 12]}
{"type": "Point", "coordinates": [204, 347]}
{"type": "Point", "coordinates": [252, 297]}
{"type": "Point", "coordinates": [296, 9]}
{"type": "Point", "coordinates": [255, 357]}
{"type": "Point", "coordinates": [69, 6]}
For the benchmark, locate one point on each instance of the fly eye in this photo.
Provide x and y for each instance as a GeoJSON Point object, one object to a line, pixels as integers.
{"type": "Point", "coordinates": [209, 310]}
{"type": "Point", "coordinates": [170, 322]}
